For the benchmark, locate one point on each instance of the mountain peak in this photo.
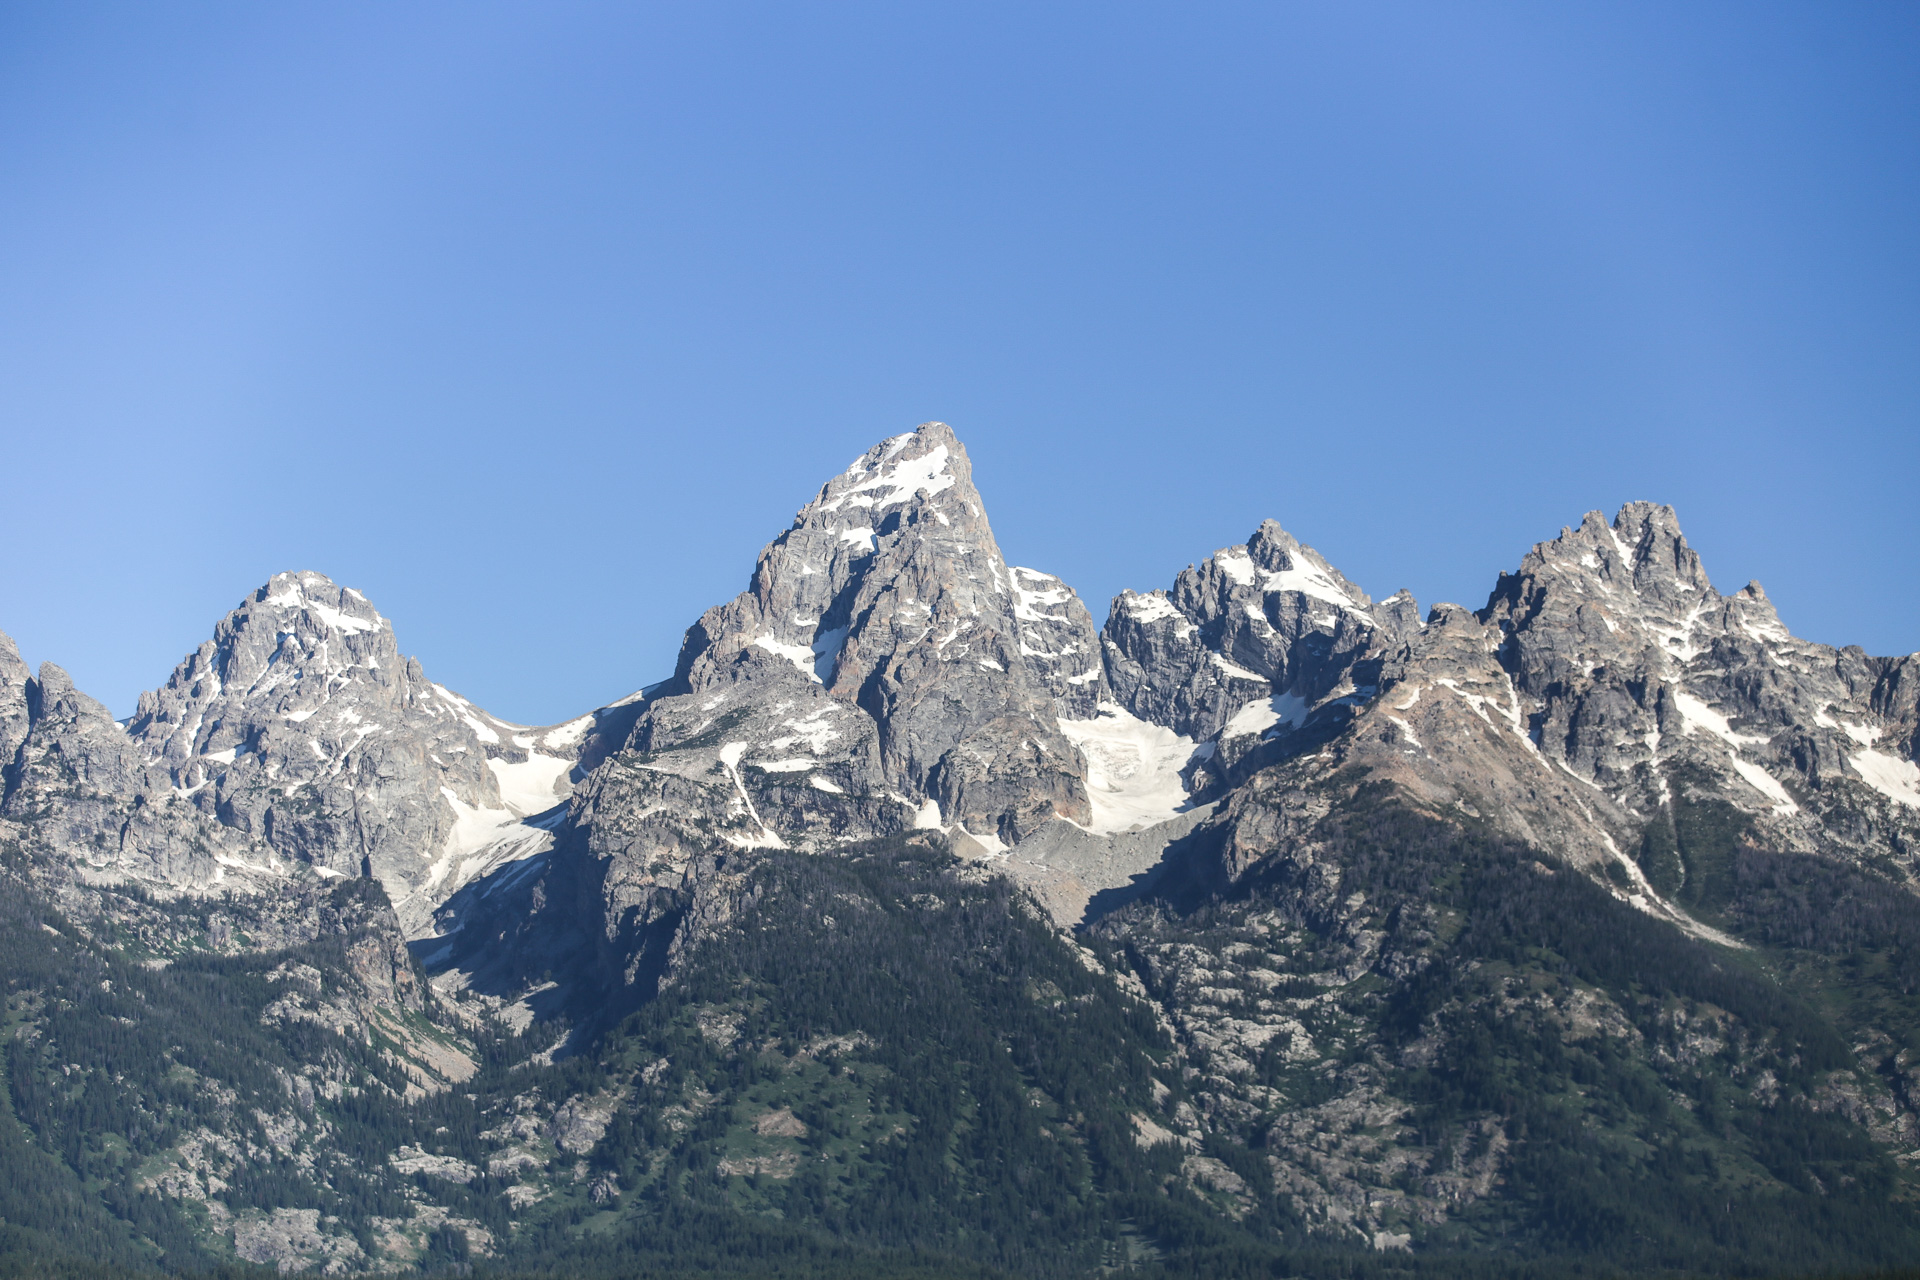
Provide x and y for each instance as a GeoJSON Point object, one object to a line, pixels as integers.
{"type": "Point", "coordinates": [320, 599]}
{"type": "Point", "coordinates": [289, 645]}
{"type": "Point", "coordinates": [1641, 550]}
{"type": "Point", "coordinates": [51, 692]}
{"type": "Point", "coordinates": [1635, 576]}
{"type": "Point", "coordinates": [888, 596]}
{"type": "Point", "coordinates": [1287, 564]}
{"type": "Point", "coordinates": [300, 723]}
{"type": "Point", "coordinates": [893, 482]}
{"type": "Point", "coordinates": [1264, 620]}
{"type": "Point", "coordinates": [1660, 551]}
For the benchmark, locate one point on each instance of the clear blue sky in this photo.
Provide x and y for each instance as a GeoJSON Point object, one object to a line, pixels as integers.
{"type": "Point", "coordinates": [535, 321]}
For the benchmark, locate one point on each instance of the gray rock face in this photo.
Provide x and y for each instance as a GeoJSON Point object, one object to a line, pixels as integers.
{"type": "Point", "coordinates": [82, 793]}
{"type": "Point", "coordinates": [887, 618]}
{"type": "Point", "coordinates": [885, 669]}
{"type": "Point", "coordinates": [1605, 689]}
{"type": "Point", "coordinates": [1268, 618]}
{"type": "Point", "coordinates": [1249, 648]}
{"type": "Point", "coordinates": [13, 700]}
{"type": "Point", "coordinates": [300, 723]}
{"type": "Point", "coordinates": [1640, 677]}
{"type": "Point", "coordinates": [92, 813]}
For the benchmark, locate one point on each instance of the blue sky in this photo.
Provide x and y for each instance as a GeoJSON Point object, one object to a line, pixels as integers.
{"type": "Point", "coordinates": [535, 322]}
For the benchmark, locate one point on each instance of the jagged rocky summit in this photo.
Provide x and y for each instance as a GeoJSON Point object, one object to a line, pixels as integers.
{"type": "Point", "coordinates": [886, 649]}
{"type": "Point", "coordinates": [297, 741]}
{"type": "Point", "coordinates": [1282, 820]}
{"type": "Point", "coordinates": [887, 670]}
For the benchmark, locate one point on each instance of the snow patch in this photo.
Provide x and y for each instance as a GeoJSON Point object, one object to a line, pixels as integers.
{"type": "Point", "coordinates": [798, 654]}
{"type": "Point", "coordinates": [1133, 768]}
{"type": "Point", "coordinates": [730, 755]}
{"type": "Point", "coordinates": [1765, 784]}
{"type": "Point", "coordinates": [792, 764]}
{"type": "Point", "coordinates": [568, 734]}
{"type": "Point", "coordinates": [1149, 608]}
{"type": "Point", "coordinates": [1025, 601]}
{"type": "Point", "coordinates": [1698, 715]}
{"type": "Point", "coordinates": [1406, 731]}
{"type": "Point", "coordinates": [1509, 712]}
{"type": "Point", "coordinates": [1236, 564]}
{"type": "Point", "coordinates": [295, 597]}
{"type": "Point", "coordinates": [1262, 714]}
{"type": "Point", "coordinates": [465, 710]}
{"type": "Point", "coordinates": [534, 785]}
{"type": "Point", "coordinates": [1767, 631]}
{"type": "Point", "coordinates": [815, 661]}
{"type": "Point", "coordinates": [990, 841]}
{"type": "Point", "coordinates": [826, 653]}
{"type": "Point", "coordinates": [813, 730]}
{"type": "Point", "coordinates": [1237, 672]}
{"type": "Point", "coordinates": [1311, 580]}
{"type": "Point", "coordinates": [472, 826]}
{"type": "Point", "coordinates": [926, 474]}
{"type": "Point", "coordinates": [481, 842]}
{"type": "Point", "coordinates": [1892, 777]}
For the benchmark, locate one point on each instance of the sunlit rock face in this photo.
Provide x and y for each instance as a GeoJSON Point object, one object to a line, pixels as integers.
{"type": "Point", "coordinates": [885, 636]}
{"type": "Point", "coordinates": [301, 724]}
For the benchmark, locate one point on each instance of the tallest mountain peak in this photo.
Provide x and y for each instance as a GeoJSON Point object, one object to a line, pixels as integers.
{"type": "Point", "coordinates": [886, 630]}
{"type": "Point", "coordinates": [925, 466]}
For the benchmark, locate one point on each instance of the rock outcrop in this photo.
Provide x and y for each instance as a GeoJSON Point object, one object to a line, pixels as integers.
{"type": "Point", "coordinates": [13, 700]}
{"type": "Point", "coordinates": [84, 796]}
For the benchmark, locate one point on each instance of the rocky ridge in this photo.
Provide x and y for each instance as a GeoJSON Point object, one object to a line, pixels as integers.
{"type": "Point", "coordinates": [79, 790]}
{"type": "Point", "coordinates": [1607, 705]}
{"type": "Point", "coordinates": [1203, 785]}
{"type": "Point", "coordinates": [1605, 674]}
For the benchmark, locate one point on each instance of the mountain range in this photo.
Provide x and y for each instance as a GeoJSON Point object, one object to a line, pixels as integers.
{"type": "Point", "coordinates": [916, 924]}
